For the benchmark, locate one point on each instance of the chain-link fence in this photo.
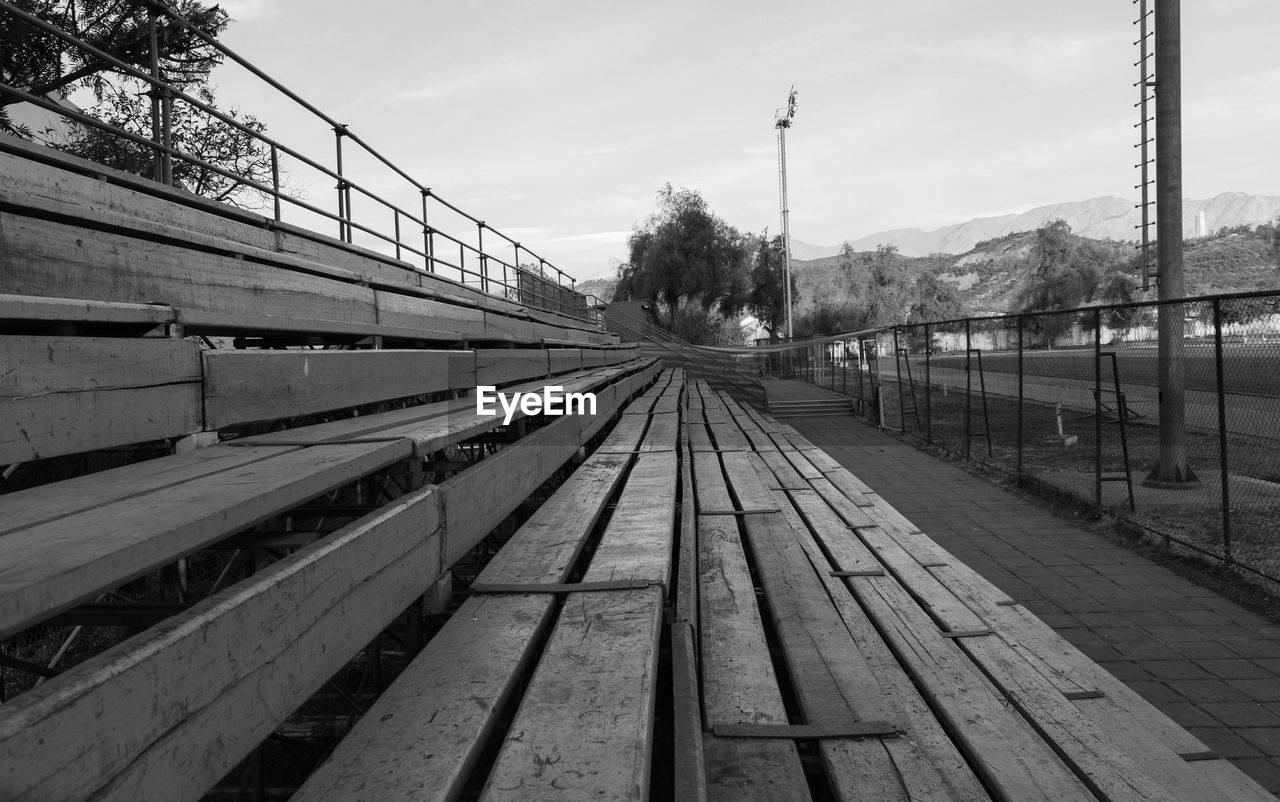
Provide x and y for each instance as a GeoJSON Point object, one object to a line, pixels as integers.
{"type": "Point", "coordinates": [1073, 401]}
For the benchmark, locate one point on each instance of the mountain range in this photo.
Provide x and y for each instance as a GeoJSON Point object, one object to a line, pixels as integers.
{"type": "Point", "coordinates": [1107, 217]}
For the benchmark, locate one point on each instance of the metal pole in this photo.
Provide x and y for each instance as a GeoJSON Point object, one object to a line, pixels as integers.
{"type": "Point", "coordinates": [396, 215]}
{"type": "Point", "coordinates": [1222, 433]}
{"type": "Point", "coordinates": [928, 386]}
{"type": "Point", "coordinates": [1144, 144]}
{"type": "Point", "coordinates": [428, 237]}
{"type": "Point", "coordinates": [156, 135]}
{"type": "Point", "coordinates": [275, 180]}
{"type": "Point", "coordinates": [342, 206]}
{"type": "Point", "coordinates": [968, 385]}
{"type": "Point", "coordinates": [1097, 408]}
{"type": "Point", "coordinates": [484, 261]}
{"type": "Point", "coordinates": [786, 226]}
{"type": "Point", "coordinates": [1021, 396]}
{"type": "Point", "coordinates": [1171, 467]}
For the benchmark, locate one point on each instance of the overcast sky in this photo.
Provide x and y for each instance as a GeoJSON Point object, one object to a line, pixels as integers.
{"type": "Point", "coordinates": [557, 122]}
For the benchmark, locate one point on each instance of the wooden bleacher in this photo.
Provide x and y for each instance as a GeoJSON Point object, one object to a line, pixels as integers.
{"type": "Point", "coordinates": [312, 400]}
{"type": "Point", "coordinates": [598, 639]}
{"type": "Point", "coordinates": [706, 607]}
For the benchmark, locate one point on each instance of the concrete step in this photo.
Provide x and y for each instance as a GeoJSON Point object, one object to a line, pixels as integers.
{"type": "Point", "coordinates": [811, 407]}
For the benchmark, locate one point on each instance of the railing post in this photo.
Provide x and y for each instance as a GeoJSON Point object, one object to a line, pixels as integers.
{"type": "Point", "coordinates": [395, 211]}
{"type": "Point", "coordinates": [1222, 434]}
{"type": "Point", "coordinates": [275, 180]}
{"type": "Point", "coordinates": [157, 137]}
{"type": "Point", "coordinates": [343, 212]}
{"type": "Point", "coordinates": [517, 269]}
{"type": "Point", "coordinates": [484, 260]}
{"type": "Point", "coordinates": [428, 236]}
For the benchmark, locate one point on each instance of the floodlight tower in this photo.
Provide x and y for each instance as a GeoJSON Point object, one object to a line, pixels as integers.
{"type": "Point", "coordinates": [782, 121]}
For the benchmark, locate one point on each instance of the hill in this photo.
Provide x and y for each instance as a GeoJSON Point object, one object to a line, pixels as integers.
{"type": "Point", "coordinates": [1102, 218]}
{"type": "Point", "coordinates": [990, 276]}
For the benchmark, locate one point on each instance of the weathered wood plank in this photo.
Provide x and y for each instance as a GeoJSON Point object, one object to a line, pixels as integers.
{"type": "Point", "coordinates": [1138, 729]}
{"type": "Point", "coordinates": [216, 292]}
{"type": "Point", "coordinates": [499, 366]}
{"type": "Point", "coordinates": [63, 395]}
{"type": "Point", "coordinates": [603, 655]}
{"type": "Point", "coordinates": [69, 187]}
{"type": "Point", "coordinates": [247, 386]}
{"type": "Point", "coordinates": [31, 308]}
{"type": "Point", "coordinates": [542, 547]}
{"type": "Point", "coordinates": [58, 500]}
{"type": "Point", "coordinates": [832, 680]}
{"type": "Point", "coordinates": [738, 679]}
{"type": "Point", "coordinates": [930, 765]}
{"type": "Point", "coordinates": [211, 291]}
{"type": "Point", "coordinates": [424, 735]}
{"type": "Point", "coordinates": [471, 511]}
{"type": "Point", "coordinates": [70, 423]}
{"type": "Point", "coordinates": [47, 567]}
{"type": "Point", "coordinates": [137, 723]}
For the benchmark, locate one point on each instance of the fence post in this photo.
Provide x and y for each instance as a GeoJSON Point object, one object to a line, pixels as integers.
{"type": "Point", "coordinates": [1222, 434]}
{"type": "Point", "coordinates": [928, 386]}
{"type": "Point", "coordinates": [1097, 408]}
{"type": "Point", "coordinates": [395, 211]}
{"type": "Point", "coordinates": [1021, 397]}
{"type": "Point", "coordinates": [968, 385]}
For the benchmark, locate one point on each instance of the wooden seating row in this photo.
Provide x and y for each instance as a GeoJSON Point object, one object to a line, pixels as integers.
{"type": "Point", "coordinates": [166, 713]}
{"type": "Point", "coordinates": [583, 726]}
{"type": "Point", "coordinates": [69, 394]}
{"type": "Point", "coordinates": [76, 229]}
{"type": "Point", "coordinates": [915, 677]}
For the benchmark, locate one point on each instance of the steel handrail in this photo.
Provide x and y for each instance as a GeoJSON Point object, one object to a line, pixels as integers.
{"type": "Point", "coordinates": [344, 183]}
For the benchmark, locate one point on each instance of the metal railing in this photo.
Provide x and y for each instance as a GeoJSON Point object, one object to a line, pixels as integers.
{"type": "Point", "coordinates": [1070, 401]}
{"type": "Point", "coordinates": [696, 361]}
{"type": "Point", "coordinates": [510, 270]}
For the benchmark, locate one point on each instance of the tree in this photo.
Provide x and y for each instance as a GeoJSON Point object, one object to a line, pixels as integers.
{"type": "Point", "coordinates": [888, 296]}
{"type": "Point", "coordinates": [935, 300]}
{"type": "Point", "coordinates": [767, 300]}
{"type": "Point", "coordinates": [684, 252]}
{"type": "Point", "coordinates": [1118, 287]}
{"type": "Point", "coordinates": [44, 65]}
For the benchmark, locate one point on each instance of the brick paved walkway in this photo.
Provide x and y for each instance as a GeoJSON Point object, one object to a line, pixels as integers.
{"type": "Point", "coordinates": [1209, 664]}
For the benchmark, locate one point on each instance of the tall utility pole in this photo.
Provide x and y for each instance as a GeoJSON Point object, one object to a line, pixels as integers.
{"type": "Point", "coordinates": [782, 121]}
{"type": "Point", "coordinates": [1171, 469]}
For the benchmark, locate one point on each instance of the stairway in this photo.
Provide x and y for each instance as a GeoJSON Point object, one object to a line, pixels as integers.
{"type": "Point", "coordinates": [815, 407]}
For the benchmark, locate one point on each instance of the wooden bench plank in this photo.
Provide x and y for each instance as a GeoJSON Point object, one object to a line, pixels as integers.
{"type": "Point", "coordinates": [1148, 736]}
{"type": "Point", "coordinates": [47, 567]}
{"type": "Point", "coordinates": [157, 729]}
{"type": "Point", "coordinates": [500, 366]}
{"type": "Point", "coordinates": [930, 765]}
{"type": "Point", "coordinates": [831, 678]}
{"type": "Point", "coordinates": [64, 395]}
{"type": "Point", "coordinates": [738, 679]}
{"type": "Point", "coordinates": [34, 308]}
{"type": "Point", "coordinates": [603, 655]}
{"type": "Point", "coordinates": [71, 189]}
{"type": "Point", "coordinates": [247, 386]}
{"type": "Point", "coordinates": [423, 736]}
